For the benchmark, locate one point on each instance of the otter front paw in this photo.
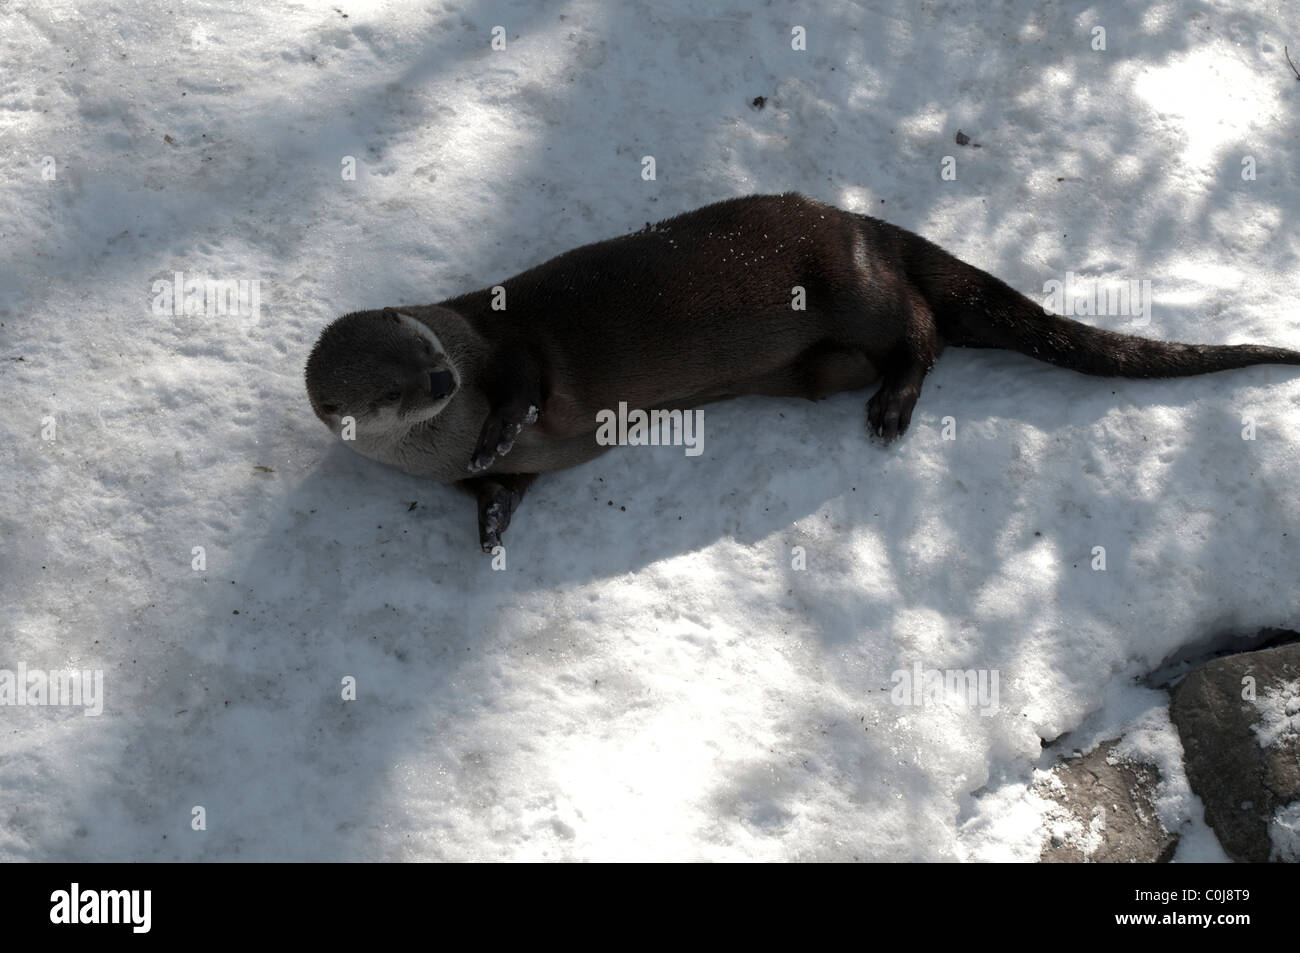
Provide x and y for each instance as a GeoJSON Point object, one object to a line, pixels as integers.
{"type": "Point", "coordinates": [496, 506]}
{"type": "Point", "coordinates": [497, 437]}
{"type": "Point", "coordinates": [496, 517]}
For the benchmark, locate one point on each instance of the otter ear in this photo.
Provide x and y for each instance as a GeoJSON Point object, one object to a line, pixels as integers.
{"type": "Point", "coordinates": [391, 315]}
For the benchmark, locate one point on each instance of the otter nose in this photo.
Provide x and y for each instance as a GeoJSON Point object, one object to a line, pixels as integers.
{"type": "Point", "coordinates": [441, 384]}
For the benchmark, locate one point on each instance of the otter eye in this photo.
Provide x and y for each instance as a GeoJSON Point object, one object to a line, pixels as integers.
{"type": "Point", "coordinates": [393, 396]}
{"type": "Point", "coordinates": [428, 348]}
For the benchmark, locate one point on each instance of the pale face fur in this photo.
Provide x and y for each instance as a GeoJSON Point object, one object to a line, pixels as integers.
{"type": "Point", "coordinates": [387, 371]}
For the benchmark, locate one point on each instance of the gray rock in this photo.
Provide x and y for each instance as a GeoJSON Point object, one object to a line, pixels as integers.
{"type": "Point", "coordinates": [1106, 813]}
{"type": "Point", "coordinates": [1242, 784]}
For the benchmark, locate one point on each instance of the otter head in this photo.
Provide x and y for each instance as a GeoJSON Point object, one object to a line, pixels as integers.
{"type": "Point", "coordinates": [386, 370]}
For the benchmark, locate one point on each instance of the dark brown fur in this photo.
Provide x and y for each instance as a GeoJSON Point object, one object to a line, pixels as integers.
{"type": "Point", "coordinates": [698, 308]}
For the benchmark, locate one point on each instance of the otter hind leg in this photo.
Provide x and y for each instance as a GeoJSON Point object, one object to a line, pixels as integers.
{"type": "Point", "coordinates": [890, 411]}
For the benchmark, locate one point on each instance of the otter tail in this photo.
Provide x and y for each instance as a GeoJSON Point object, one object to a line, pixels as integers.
{"type": "Point", "coordinates": [975, 309]}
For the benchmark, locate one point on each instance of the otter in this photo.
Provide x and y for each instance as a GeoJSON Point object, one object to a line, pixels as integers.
{"type": "Point", "coordinates": [697, 308]}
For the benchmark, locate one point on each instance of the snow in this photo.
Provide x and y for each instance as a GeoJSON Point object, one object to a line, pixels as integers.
{"type": "Point", "coordinates": [650, 678]}
{"type": "Point", "coordinates": [1279, 710]}
{"type": "Point", "coordinates": [1285, 833]}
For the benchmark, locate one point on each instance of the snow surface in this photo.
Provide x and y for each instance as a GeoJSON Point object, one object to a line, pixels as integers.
{"type": "Point", "coordinates": [1279, 710]}
{"type": "Point", "coordinates": [1279, 714]}
{"type": "Point", "coordinates": [1285, 833]}
{"type": "Point", "coordinates": [649, 678]}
